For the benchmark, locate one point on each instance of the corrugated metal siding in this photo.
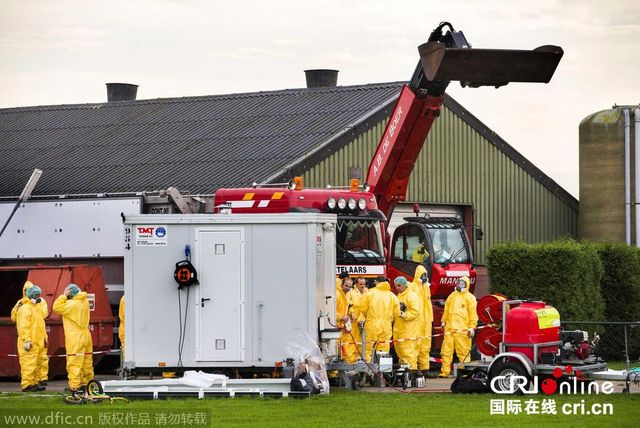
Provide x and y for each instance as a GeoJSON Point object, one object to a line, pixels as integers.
{"type": "Point", "coordinates": [460, 166]}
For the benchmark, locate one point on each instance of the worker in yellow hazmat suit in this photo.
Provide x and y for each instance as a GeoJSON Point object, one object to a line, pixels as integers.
{"type": "Point", "coordinates": [121, 325]}
{"type": "Point", "coordinates": [407, 324]}
{"type": "Point", "coordinates": [458, 323]}
{"type": "Point", "coordinates": [31, 339]}
{"type": "Point", "coordinates": [420, 254]}
{"type": "Point", "coordinates": [356, 315]}
{"type": "Point", "coordinates": [73, 306]}
{"type": "Point", "coordinates": [43, 359]}
{"type": "Point", "coordinates": [344, 314]}
{"type": "Point", "coordinates": [341, 276]}
{"type": "Point", "coordinates": [379, 306]}
{"type": "Point", "coordinates": [421, 287]}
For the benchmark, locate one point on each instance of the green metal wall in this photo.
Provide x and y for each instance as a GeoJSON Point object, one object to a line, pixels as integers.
{"type": "Point", "coordinates": [459, 166]}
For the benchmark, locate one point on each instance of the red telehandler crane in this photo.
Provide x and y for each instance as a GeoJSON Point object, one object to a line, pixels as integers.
{"type": "Point", "coordinates": [363, 246]}
{"type": "Point", "coordinates": [441, 244]}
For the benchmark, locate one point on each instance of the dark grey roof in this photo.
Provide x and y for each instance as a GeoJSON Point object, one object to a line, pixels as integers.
{"type": "Point", "coordinates": [200, 144]}
{"type": "Point", "coordinates": [196, 144]}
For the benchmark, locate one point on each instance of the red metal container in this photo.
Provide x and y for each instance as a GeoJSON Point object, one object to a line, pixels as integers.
{"type": "Point", "coordinates": [53, 280]}
{"type": "Point", "coordinates": [529, 323]}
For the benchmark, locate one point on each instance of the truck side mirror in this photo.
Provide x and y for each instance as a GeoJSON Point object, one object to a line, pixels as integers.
{"type": "Point", "coordinates": [479, 234]}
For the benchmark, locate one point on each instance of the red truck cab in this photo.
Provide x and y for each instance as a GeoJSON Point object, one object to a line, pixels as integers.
{"type": "Point", "coordinates": [359, 230]}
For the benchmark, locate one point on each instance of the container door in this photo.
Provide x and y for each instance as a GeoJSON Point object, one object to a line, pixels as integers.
{"type": "Point", "coordinates": [220, 296]}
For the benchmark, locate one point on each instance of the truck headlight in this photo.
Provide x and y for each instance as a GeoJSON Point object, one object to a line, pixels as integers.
{"type": "Point", "coordinates": [362, 204]}
{"type": "Point", "coordinates": [331, 203]}
{"type": "Point", "coordinates": [352, 204]}
{"type": "Point", "coordinates": [342, 204]}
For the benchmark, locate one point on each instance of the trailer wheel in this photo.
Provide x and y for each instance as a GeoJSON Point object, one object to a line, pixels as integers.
{"type": "Point", "coordinates": [506, 370]}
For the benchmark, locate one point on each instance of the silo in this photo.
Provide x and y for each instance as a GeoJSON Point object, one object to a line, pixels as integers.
{"type": "Point", "coordinates": [602, 174]}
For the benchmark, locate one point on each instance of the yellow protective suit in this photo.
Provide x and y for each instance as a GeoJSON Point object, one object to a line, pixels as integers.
{"type": "Point", "coordinates": [348, 346]}
{"type": "Point", "coordinates": [77, 337]}
{"type": "Point", "coordinates": [426, 325]}
{"type": "Point", "coordinates": [459, 316]}
{"type": "Point", "coordinates": [356, 315]}
{"type": "Point", "coordinates": [379, 306]}
{"type": "Point", "coordinates": [43, 359]}
{"type": "Point", "coordinates": [420, 254]}
{"type": "Point", "coordinates": [31, 328]}
{"type": "Point", "coordinates": [408, 327]}
{"type": "Point", "coordinates": [121, 325]}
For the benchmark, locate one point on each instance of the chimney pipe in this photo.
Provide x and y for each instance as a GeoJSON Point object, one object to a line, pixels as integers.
{"type": "Point", "coordinates": [321, 78]}
{"type": "Point", "coordinates": [121, 92]}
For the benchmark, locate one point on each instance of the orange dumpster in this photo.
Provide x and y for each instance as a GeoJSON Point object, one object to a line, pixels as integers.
{"type": "Point", "coordinates": [53, 280]}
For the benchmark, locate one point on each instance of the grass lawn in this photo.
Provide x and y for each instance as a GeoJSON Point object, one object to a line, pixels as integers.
{"type": "Point", "coordinates": [342, 408]}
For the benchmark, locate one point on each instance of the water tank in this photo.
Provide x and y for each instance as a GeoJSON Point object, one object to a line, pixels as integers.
{"type": "Point", "coordinates": [529, 323]}
{"type": "Point", "coordinates": [602, 189]}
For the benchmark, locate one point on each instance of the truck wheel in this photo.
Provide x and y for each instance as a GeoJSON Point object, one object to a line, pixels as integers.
{"type": "Point", "coordinates": [506, 370]}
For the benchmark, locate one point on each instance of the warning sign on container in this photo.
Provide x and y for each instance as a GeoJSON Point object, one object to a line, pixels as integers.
{"type": "Point", "coordinates": [91, 298]}
{"type": "Point", "coordinates": [151, 236]}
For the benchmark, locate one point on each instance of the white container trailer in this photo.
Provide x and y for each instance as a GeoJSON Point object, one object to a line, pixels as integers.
{"type": "Point", "coordinates": [263, 281]}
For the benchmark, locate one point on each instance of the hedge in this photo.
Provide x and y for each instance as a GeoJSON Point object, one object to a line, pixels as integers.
{"type": "Point", "coordinates": [621, 292]}
{"type": "Point", "coordinates": [564, 274]}
{"type": "Point", "coordinates": [584, 281]}
{"type": "Point", "coordinates": [621, 281]}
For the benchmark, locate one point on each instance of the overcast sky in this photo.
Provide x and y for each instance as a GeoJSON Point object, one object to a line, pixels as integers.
{"type": "Point", "coordinates": [63, 52]}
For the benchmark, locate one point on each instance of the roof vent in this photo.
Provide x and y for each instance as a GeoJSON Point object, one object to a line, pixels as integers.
{"type": "Point", "coordinates": [321, 78]}
{"type": "Point", "coordinates": [121, 92]}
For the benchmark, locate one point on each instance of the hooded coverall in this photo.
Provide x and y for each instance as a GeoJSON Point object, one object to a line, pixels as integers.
{"type": "Point", "coordinates": [426, 325]}
{"type": "Point", "coordinates": [31, 328]}
{"type": "Point", "coordinates": [43, 359]}
{"type": "Point", "coordinates": [121, 327]}
{"type": "Point", "coordinates": [459, 316]}
{"type": "Point", "coordinates": [420, 254]}
{"type": "Point", "coordinates": [77, 337]}
{"type": "Point", "coordinates": [379, 306]}
{"type": "Point", "coordinates": [349, 350]}
{"type": "Point", "coordinates": [408, 327]}
{"type": "Point", "coordinates": [356, 315]}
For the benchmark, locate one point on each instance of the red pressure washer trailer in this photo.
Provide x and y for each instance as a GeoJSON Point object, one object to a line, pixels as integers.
{"type": "Point", "coordinates": [530, 344]}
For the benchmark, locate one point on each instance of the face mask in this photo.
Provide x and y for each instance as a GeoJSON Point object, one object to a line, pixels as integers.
{"type": "Point", "coordinates": [460, 286]}
{"type": "Point", "coordinates": [36, 301]}
{"type": "Point", "coordinates": [424, 278]}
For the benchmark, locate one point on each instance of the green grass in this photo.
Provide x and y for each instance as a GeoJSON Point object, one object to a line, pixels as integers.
{"type": "Point", "coordinates": [352, 409]}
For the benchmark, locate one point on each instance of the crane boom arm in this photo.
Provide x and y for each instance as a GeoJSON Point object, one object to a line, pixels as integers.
{"type": "Point", "coordinates": [447, 56]}
{"type": "Point", "coordinates": [401, 142]}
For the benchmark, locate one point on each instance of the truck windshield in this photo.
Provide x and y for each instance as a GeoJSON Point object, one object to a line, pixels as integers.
{"type": "Point", "coordinates": [449, 246]}
{"type": "Point", "coordinates": [359, 241]}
